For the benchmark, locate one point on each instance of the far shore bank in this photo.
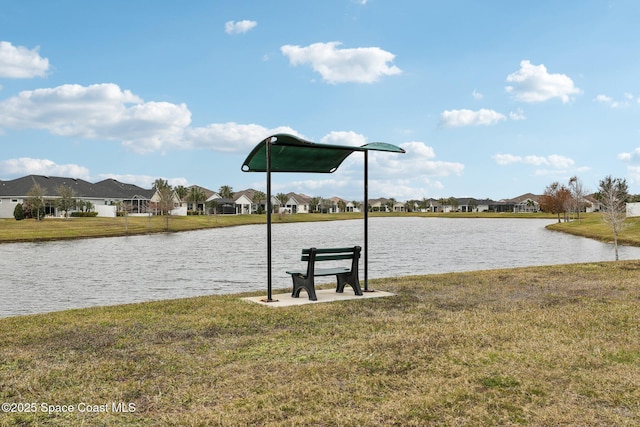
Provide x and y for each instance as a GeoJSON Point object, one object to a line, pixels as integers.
{"type": "Point", "coordinates": [82, 228]}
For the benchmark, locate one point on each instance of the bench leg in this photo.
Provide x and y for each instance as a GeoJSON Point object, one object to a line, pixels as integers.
{"type": "Point", "coordinates": [350, 279]}
{"type": "Point", "coordinates": [299, 283]}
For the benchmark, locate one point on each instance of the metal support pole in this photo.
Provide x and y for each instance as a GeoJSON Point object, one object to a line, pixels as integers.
{"type": "Point", "coordinates": [268, 148]}
{"type": "Point", "coordinates": [366, 221]}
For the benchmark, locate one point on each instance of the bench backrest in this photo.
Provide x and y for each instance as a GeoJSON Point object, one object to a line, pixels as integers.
{"type": "Point", "coordinates": [330, 254]}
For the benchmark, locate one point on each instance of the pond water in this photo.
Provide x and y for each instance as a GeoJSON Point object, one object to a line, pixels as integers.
{"type": "Point", "coordinates": [51, 276]}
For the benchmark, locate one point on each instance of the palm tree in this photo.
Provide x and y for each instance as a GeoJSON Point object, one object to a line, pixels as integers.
{"type": "Point", "coordinates": [282, 199]}
{"type": "Point", "coordinates": [314, 202]}
{"type": "Point", "coordinates": [226, 192]}
{"type": "Point", "coordinates": [195, 196]}
{"type": "Point", "coordinates": [258, 198]}
{"type": "Point", "coordinates": [389, 204]}
{"type": "Point", "coordinates": [181, 191]}
{"type": "Point", "coordinates": [160, 183]}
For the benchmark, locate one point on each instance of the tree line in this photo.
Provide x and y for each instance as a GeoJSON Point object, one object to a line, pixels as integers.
{"type": "Point", "coordinates": [612, 194]}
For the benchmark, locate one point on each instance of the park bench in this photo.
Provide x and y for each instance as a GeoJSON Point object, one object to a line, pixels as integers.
{"type": "Point", "coordinates": [304, 279]}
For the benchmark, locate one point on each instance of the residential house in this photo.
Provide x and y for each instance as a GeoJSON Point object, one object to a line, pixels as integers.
{"type": "Point", "coordinates": [298, 203]}
{"type": "Point", "coordinates": [379, 205]}
{"type": "Point", "coordinates": [591, 204]}
{"type": "Point", "coordinates": [200, 205]}
{"type": "Point", "coordinates": [430, 205]}
{"type": "Point", "coordinates": [217, 205]}
{"type": "Point", "coordinates": [526, 203]}
{"type": "Point", "coordinates": [633, 209]}
{"type": "Point", "coordinates": [353, 206]}
{"type": "Point", "coordinates": [243, 201]}
{"type": "Point", "coordinates": [246, 203]}
{"type": "Point", "coordinates": [398, 207]}
{"type": "Point", "coordinates": [336, 204]}
{"type": "Point", "coordinates": [106, 196]}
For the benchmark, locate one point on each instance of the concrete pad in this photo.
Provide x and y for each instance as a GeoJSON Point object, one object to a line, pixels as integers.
{"type": "Point", "coordinates": [324, 295]}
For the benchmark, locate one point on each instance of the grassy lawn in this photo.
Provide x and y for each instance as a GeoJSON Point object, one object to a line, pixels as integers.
{"type": "Point", "coordinates": [592, 226]}
{"type": "Point", "coordinates": [73, 228]}
{"type": "Point", "coordinates": [556, 345]}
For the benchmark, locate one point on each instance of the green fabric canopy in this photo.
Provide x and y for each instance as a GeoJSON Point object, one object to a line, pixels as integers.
{"type": "Point", "coordinates": [288, 153]}
{"type": "Point", "coordinates": [292, 154]}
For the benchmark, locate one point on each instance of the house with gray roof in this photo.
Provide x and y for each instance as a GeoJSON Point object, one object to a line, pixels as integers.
{"type": "Point", "coordinates": [108, 192]}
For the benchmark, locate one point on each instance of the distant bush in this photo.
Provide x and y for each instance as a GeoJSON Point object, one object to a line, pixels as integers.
{"type": "Point", "coordinates": [18, 212]}
{"type": "Point", "coordinates": [84, 214]}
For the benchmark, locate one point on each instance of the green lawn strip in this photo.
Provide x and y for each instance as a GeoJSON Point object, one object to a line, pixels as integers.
{"type": "Point", "coordinates": [556, 345]}
{"type": "Point", "coordinates": [73, 228]}
{"type": "Point", "coordinates": [592, 226]}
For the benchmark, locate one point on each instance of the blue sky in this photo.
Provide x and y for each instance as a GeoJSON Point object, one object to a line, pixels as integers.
{"type": "Point", "coordinates": [490, 99]}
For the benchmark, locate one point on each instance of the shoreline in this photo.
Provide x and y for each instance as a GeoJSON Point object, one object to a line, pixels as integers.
{"type": "Point", "coordinates": [53, 229]}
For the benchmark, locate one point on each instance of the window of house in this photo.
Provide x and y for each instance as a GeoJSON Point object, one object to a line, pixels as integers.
{"type": "Point", "coordinates": [14, 200]}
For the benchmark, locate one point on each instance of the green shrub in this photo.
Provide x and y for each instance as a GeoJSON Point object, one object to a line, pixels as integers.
{"type": "Point", "coordinates": [84, 214]}
{"type": "Point", "coordinates": [18, 212]}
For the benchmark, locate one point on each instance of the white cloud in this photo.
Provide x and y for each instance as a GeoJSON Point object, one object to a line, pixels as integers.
{"type": "Point", "coordinates": [603, 99]}
{"type": "Point", "coordinates": [106, 112]}
{"type": "Point", "coordinates": [344, 138]}
{"type": "Point", "coordinates": [21, 63]}
{"type": "Point", "coordinates": [633, 170]}
{"type": "Point", "coordinates": [231, 137]}
{"type": "Point", "coordinates": [29, 166]}
{"type": "Point", "coordinates": [360, 65]}
{"type": "Point", "coordinates": [517, 115]}
{"type": "Point", "coordinates": [632, 156]}
{"type": "Point", "coordinates": [560, 162]}
{"type": "Point", "coordinates": [100, 111]}
{"type": "Point", "coordinates": [532, 83]}
{"type": "Point", "coordinates": [403, 176]}
{"type": "Point", "coordinates": [554, 161]}
{"type": "Point", "coordinates": [506, 159]}
{"type": "Point", "coordinates": [477, 95]}
{"type": "Point", "coordinates": [612, 103]}
{"type": "Point", "coordinates": [419, 150]}
{"type": "Point", "coordinates": [464, 117]}
{"type": "Point", "coordinates": [633, 173]}
{"type": "Point", "coordinates": [240, 27]}
{"type": "Point", "coordinates": [418, 161]}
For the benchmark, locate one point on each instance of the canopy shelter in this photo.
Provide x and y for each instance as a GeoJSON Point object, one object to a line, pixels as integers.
{"type": "Point", "coordinates": [288, 153]}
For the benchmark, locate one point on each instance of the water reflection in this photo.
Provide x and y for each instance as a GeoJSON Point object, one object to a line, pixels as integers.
{"type": "Point", "coordinates": [49, 276]}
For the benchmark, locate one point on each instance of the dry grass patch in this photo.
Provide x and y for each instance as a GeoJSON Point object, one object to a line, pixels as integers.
{"type": "Point", "coordinates": [532, 346]}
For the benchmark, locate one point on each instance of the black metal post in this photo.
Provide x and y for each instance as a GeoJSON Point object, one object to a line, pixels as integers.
{"type": "Point", "coordinates": [268, 148]}
{"type": "Point", "coordinates": [366, 220]}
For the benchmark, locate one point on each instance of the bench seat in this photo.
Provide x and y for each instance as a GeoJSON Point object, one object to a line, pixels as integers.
{"type": "Point", "coordinates": [322, 271]}
{"type": "Point", "coordinates": [304, 279]}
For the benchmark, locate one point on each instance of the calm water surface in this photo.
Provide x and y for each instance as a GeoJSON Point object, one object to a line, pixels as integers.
{"type": "Point", "coordinates": [51, 276]}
